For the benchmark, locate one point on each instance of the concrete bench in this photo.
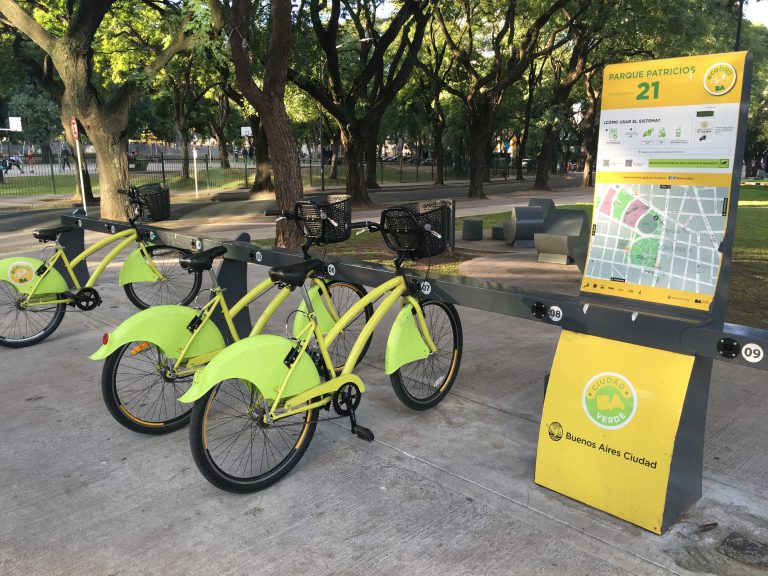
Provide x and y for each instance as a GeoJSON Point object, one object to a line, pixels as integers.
{"type": "Point", "coordinates": [565, 239]}
{"type": "Point", "coordinates": [526, 221]}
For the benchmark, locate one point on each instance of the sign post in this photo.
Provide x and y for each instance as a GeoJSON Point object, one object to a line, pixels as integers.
{"type": "Point", "coordinates": [76, 136]}
{"type": "Point", "coordinates": [623, 425]}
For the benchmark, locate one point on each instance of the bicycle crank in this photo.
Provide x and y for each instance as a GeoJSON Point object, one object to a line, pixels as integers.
{"type": "Point", "coordinates": [345, 400]}
{"type": "Point", "coordinates": [87, 299]}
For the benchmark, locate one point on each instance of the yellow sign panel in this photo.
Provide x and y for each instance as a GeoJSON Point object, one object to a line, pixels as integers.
{"type": "Point", "coordinates": [609, 425]}
{"type": "Point", "coordinates": [666, 161]}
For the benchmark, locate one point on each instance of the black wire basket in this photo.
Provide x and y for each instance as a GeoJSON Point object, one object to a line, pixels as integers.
{"type": "Point", "coordinates": [326, 221]}
{"type": "Point", "coordinates": [156, 202]}
{"type": "Point", "coordinates": [404, 230]}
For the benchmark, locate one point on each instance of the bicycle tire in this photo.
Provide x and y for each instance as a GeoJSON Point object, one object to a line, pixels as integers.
{"type": "Point", "coordinates": [144, 295]}
{"type": "Point", "coordinates": [139, 395]}
{"type": "Point", "coordinates": [213, 445]}
{"type": "Point", "coordinates": [341, 347]}
{"type": "Point", "coordinates": [21, 327]}
{"type": "Point", "coordinates": [423, 384]}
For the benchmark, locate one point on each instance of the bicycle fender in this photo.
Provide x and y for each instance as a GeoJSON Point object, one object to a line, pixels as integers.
{"type": "Point", "coordinates": [261, 361]}
{"type": "Point", "coordinates": [21, 273]}
{"type": "Point", "coordinates": [405, 343]}
{"type": "Point", "coordinates": [136, 269]}
{"type": "Point", "coordinates": [166, 327]}
{"type": "Point", "coordinates": [322, 315]}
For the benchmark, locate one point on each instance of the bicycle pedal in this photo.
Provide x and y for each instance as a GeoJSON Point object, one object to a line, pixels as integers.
{"type": "Point", "coordinates": [364, 433]}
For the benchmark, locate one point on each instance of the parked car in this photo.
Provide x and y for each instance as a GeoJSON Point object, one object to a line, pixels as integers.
{"type": "Point", "coordinates": [391, 159]}
{"type": "Point", "coordinates": [428, 162]}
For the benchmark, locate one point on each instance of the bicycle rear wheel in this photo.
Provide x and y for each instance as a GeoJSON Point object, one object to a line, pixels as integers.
{"type": "Point", "coordinates": [22, 325]}
{"type": "Point", "coordinates": [179, 286]}
{"type": "Point", "coordinates": [422, 384]}
{"type": "Point", "coordinates": [344, 295]}
{"type": "Point", "coordinates": [140, 391]}
{"type": "Point", "coordinates": [233, 446]}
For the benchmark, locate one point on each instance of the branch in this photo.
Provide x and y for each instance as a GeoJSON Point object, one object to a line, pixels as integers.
{"type": "Point", "coordinates": [19, 19]}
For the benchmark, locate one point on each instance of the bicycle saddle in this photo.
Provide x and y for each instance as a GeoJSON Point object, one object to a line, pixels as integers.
{"type": "Point", "coordinates": [202, 260]}
{"type": "Point", "coordinates": [47, 234]}
{"type": "Point", "coordinates": [295, 274]}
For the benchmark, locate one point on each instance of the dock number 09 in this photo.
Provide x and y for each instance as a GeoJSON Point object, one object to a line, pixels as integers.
{"type": "Point", "coordinates": [752, 353]}
{"type": "Point", "coordinates": [645, 87]}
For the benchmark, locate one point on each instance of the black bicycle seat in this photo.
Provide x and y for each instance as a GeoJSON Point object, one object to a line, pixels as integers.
{"type": "Point", "coordinates": [202, 260]}
{"type": "Point", "coordinates": [48, 234]}
{"type": "Point", "coordinates": [295, 274]}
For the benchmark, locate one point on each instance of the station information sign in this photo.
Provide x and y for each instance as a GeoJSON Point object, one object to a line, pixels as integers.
{"type": "Point", "coordinates": [665, 167]}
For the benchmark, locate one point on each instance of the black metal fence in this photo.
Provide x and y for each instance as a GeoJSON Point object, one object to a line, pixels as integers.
{"type": "Point", "coordinates": [43, 174]}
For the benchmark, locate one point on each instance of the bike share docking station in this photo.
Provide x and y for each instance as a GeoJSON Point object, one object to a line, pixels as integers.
{"type": "Point", "coordinates": [624, 414]}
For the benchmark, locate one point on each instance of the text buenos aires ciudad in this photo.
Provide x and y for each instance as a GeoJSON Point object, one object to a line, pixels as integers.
{"type": "Point", "coordinates": [617, 453]}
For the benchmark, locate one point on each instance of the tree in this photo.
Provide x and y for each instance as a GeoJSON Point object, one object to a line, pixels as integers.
{"type": "Point", "coordinates": [70, 35]}
{"type": "Point", "coordinates": [358, 94]}
{"type": "Point", "coordinates": [39, 114]}
{"type": "Point", "coordinates": [267, 99]}
{"type": "Point", "coordinates": [486, 69]}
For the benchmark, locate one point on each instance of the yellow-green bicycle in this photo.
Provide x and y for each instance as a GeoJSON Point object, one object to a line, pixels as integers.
{"type": "Point", "coordinates": [257, 403]}
{"type": "Point", "coordinates": [34, 295]}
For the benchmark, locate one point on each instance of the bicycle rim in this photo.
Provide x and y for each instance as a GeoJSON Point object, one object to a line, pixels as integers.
{"type": "Point", "coordinates": [345, 295]}
{"type": "Point", "coordinates": [177, 287]}
{"type": "Point", "coordinates": [20, 326]}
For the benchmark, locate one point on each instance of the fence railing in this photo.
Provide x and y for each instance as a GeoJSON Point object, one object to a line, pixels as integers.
{"type": "Point", "coordinates": [53, 174]}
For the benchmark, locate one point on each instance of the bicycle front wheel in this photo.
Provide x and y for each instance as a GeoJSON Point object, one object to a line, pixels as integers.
{"type": "Point", "coordinates": [25, 323]}
{"type": "Point", "coordinates": [422, 384]}
{"type": "Point", "coordinates": [141, 391]}
{"type": "Point", "coordinates": [235, 448]}
{"type": "Point", "coordinates": [344, 295]}
{"type": "Point", "coordinates": [178, 286]}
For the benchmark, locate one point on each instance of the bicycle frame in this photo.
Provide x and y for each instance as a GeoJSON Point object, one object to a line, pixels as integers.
{"type": "Point", "coordinates": [397, 289]}
{"type": "Point", "coordinates": [218, 301]}
{"type": "Point", "coordinates": [125, 238]}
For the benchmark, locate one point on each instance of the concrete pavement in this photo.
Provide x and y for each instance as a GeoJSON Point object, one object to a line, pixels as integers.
{"type": "Point", "coordinates": [446, 492]}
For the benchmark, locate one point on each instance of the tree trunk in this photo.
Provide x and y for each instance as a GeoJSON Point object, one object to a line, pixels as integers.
{"type": "Point", "coordinates": [438, 128]}
{"type": "Point", "coordinates": [183, 134]}
{"type": "Point", "coordinates": [277, 129]}
{"type": "Point", "coordinates": [221, 138]}
{"type": "Point", "coordinates": [479, 143]}
{"type": "Point", "coordinates": [262, 180]}
{"type": "Point", "coordinates": [544, 160]}
{"type": "Point", "coordinates": [112, 156]}
{"type": "Point", "coordinates": [78, 195]}
{"type": "Point", "coordinates": [371, 145]}
{"type": "Point", "coordinates": [353, 160]}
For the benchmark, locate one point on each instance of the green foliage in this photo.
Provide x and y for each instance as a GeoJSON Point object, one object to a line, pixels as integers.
{"type": "Point", "coordinates": [39, 114]}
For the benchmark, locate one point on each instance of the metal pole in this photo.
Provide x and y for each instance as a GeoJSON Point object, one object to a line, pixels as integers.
{"type": "Point", "coordinates": [194, 162]}
{"type": "Point", "coordinates": [245, 157]}
{"type": "Point", "coordinates": [162, 166]}
{"type": "Point", "coordinates": [80, 168]}
{"type": "Point", "coordinates": [53, 177]}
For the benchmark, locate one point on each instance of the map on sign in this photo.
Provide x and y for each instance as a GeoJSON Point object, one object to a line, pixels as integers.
{"type": "Point", "coordinates": [658, 235]}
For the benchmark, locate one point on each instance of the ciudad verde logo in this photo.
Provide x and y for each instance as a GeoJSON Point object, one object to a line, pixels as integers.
{"type": "Point", "coordinates": [20, 273]}
{"type": "Point", "coordinates": [720, 78]}
{"type": "Point", "coordinates": [609, 400]}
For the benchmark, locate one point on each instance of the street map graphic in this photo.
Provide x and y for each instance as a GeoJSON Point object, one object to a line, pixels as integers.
{"type": "Point", "coordinates": [664, 236]}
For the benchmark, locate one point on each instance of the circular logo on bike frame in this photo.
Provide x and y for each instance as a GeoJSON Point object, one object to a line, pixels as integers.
{"type": "Point", "coordinates": [21, 273]}
{"type": "Point", "coordinates": [609, 400]}
{"type": "Point", "coordinates": [720, 78]}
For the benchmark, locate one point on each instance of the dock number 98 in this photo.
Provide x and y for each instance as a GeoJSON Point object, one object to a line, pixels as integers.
{"type": "Point", "coordinates": [752, 353]}
{"type": "Point", "coordinates": [555, 313]}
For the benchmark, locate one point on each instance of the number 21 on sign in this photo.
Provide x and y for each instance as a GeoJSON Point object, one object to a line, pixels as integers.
{"type": "Point", "coordinates": [645, 88]}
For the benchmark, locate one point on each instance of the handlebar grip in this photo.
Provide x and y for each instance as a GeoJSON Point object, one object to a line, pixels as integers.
{"type": "Point", "coordinates": [354, 225]}
{"type": "Point", "coordinates": [273, 212]}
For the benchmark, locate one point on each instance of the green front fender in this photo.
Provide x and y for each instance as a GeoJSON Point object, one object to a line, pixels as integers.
{"type": "Point", "coordinates": [324, 319]}
{"type": "Point", "coordinates": [136, 269]}
{"type": "Point", "coordinates": [21, 273]}
{"type": "Point", "coordinates": [258, 360]}
{"type": "Point", "coordinates": [166, 328]}
{"type": "Point", "coordinates": [405, 343]}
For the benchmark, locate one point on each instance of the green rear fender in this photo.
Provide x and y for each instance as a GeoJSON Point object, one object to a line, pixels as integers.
{"type": "Point", "coordinates": [324, 319]}
{"type": "Point", "coordinates": [405, 343]}
{"type": "Point", "coordinates": [21, 274]}
{"type": "Point", "coordinates": [258, 360]}
{"type": "Point", "coordinates": [166, 328]}
{"type": "Point", "coordinates": [136, 269]}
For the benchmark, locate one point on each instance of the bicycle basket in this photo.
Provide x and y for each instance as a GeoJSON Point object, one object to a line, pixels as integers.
{"type": "Point", "coordinates": [156, 201]}
{"type": "Point", "coordinates": [402, 229]}
{"type": "Point", "coordinates": [315, 219]}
